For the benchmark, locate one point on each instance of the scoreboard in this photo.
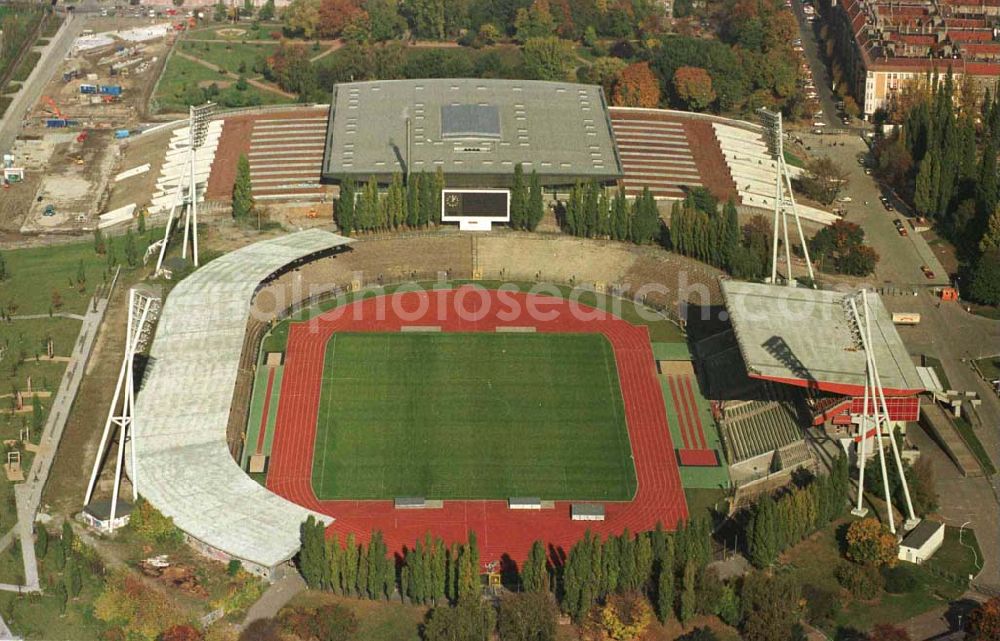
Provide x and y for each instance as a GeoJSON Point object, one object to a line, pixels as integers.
{"type": "Point", "coordinates": [475, 209]}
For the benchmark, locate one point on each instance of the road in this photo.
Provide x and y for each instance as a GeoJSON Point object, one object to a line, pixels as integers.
{"type": "Point", "coordinates": [32, 89]}
{"type": "Point", "coordinates": [946, 331]}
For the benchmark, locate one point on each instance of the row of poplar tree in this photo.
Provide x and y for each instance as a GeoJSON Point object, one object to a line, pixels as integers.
{"type": "Point", "coordinates": [590, 213]}
{"type": "Point", "coordinates": [416, 202]}
{"type": "Point", "coordinates": [669, 568]}
{"type": "Point", "coordinates": [773, 525]}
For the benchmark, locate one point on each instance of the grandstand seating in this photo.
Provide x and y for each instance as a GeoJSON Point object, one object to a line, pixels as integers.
{"type": "Point", "coordinates": [754, 427]}
{"type": "Point", "coordinates": [663, 151]}
{"type": "Point", "coordinates": [754, 171]}
{"type": "Point", "coordinates": [175, 166]}
{"type": "Point", "coordinates": [286, 156]}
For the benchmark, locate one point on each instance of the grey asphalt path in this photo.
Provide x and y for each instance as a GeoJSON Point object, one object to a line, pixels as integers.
{"type": "Point", "coordinates": [277, 595]}
{"type": "Point", "coordinates": [28, 495]}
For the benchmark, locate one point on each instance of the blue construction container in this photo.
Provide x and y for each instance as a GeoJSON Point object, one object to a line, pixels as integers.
{"type": "Point", "coordinates": [110, 90]}
{"type": "Point", "coordinates": [55, 123]}
{"type": "Point", "coordinates": [121, 133]}
{"type": "Point", "coordinates": [88, 88]}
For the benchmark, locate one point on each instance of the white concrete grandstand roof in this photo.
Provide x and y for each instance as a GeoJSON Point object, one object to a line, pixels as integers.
{"type": "Point", "coordinates": [804, 337]}
{"type": "Point", "coordinates": [184, 466]}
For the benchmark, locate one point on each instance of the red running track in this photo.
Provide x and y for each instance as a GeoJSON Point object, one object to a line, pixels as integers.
{"type": "Point", "coordinates": [500, 531]}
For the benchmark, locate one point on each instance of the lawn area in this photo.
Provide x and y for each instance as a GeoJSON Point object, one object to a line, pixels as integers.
{"type": "Point", "coordinates": [34, 275]}
{"type": "Point", "coordinates": [181, 73]}
{"type": "Point", "coordinates": [813, 562]}
{"type": "Point", "coordinates": [990, 367]}
{"type": "Point", "coordinates": [231, 56]}
{"type": "Point", "coordinates": [445, 416]}
{"type": "Point", "coordinates": [705, 502]}
{"type": "Point", "coordinates": [972, 440]}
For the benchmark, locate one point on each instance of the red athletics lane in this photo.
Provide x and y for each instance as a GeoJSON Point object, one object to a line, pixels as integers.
{"type": "Point", "coordinates": [499, 530]}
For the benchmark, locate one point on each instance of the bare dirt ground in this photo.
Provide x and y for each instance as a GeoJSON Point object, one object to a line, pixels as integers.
{"type": "Point", "coordinates": [146, 148]}
{"type": "Point", "coordinates": [563, 258]}
{"type": "Point", "coordinates": [73, 183]}
{"type": "Point", "coordinates": [94, 67]}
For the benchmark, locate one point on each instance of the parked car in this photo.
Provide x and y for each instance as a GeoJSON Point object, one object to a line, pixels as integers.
{"type": "Point", "coordinates": [927, 271]}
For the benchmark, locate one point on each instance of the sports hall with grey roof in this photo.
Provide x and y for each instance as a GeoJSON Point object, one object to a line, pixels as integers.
{"type": "Point", "coordinates": [475, 130]}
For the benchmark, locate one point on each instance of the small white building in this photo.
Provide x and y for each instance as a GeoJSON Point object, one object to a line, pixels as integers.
{"type": "Point", "coordinates": [98, 515]}
{"type": "Point", "coordinates": [587, 512]}
{"type": "Point", "coordinates": [524, 503]}
{"type": "Point", "coordinates": [922, 542]}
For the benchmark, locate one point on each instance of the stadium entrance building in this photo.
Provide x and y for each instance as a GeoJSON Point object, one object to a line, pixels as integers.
{"type": "Point", "coordinates": [475, 131]}
{"type": "Point", "coordinates": [793, 358]}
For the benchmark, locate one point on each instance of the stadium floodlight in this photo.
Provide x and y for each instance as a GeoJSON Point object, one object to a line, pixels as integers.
{"type": "Point", "coordinates": [875, 418]}
{"type": "Point", "coordinates": [143, 310]}
{"type": "Point", "coordinates": [186, 192]}
{"type": "Point", "coordinates": [783, 197]}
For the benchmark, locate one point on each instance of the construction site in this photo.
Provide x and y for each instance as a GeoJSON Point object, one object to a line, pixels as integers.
{"type": "Point", "coordinates": [58, 171]}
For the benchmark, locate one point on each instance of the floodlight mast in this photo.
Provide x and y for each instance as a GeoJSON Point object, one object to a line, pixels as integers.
{"type": "Point", "coordinates": [143, 309]}
{"type": "Point", "coordinates": [879, 408]}
{"type": "Point", "coordinates": [198, 119]}
{"type": "Point", "coordinates": [783, 195]}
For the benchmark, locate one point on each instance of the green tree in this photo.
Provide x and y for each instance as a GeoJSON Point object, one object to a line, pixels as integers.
{"type": "Point", "coordinates": [762, 536]}
{"type": "Point", "coordinates": [37, 418]}
{"type": "Point", "coordinates": [536, 202]}
{"type": "Point", "coordinates": [688, 598]}
{"type": "Point", "coordinates": [141, 224]}
{"type": "Point", "coordinates": [131, 251]}
{"type": "Point", "coordinates": [266, 11]}
{"type": "Point", "coordinates": [535, 574]}
{"type": "Point", "coordinates": [530, 616]}
{"type": "Point", "coordinates": [312, 552]}
{"type": "Point", "coordinates": [42, 542]}
{"type": "Point", "coordinates": [344, 208]}
{"type": "Point", "coordinates": [549, 58]}
{"type": "Point", "coordinates": [242, 194]}
{"type": "Point", "coordinates": [99, 245]}
{"type": "Point", "coordinates": [770, 607]}
{"type": "Point", "coordinates": [349, 569]}
{"type": "Point", "coordinates": [60, 596]}
{"type": "Point", "coordinates": [518, 199]}
{"type": "Point", "coordinates": [470, 620]}
{"type": "Point", "coordinates": [73, 577]}
{"type": "Point", "coordinates": [665, 592]}
{"type": "Point", "coordinates": [923, 190]}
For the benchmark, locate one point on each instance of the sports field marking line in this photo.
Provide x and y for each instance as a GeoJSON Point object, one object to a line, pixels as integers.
{"type": "Point", "coordinates": [326, 428]}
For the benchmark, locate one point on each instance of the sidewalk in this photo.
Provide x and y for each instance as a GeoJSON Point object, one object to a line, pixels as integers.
{"type": "Point", "coordinates": [28, 495]}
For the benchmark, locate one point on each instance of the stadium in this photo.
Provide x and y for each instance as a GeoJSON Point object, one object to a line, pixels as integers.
{"type": "Point", "coordinates": [316, 379]}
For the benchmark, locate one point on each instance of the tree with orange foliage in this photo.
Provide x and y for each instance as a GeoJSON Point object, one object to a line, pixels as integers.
{"type": "Point", "coordinates": [636, 86]}
{"type": "Point", "coordinates": [870, 543]}
{"type": "Point", "coordinates": [984, 621]}
{"type": "Point", "coordinates": [335, 15]}
{"type": "Point", "coordinates": [181, 632]}
{"type": "Point", "coordinates": [693, 85]}
{"type": "Point", "coordinates": [887, 632]}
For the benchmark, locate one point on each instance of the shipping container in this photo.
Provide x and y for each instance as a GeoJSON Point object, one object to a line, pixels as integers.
{"type": "Point", "coordinates": [110, 90]}
{"type": "Point", "coordinates": [121, 133]}
{"type": "Point", "coordinates": [88, 88]}
{"type": "Point", "coordinates": [55, 123]}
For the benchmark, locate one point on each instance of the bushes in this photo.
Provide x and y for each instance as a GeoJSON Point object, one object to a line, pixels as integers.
{"type": "Point", "coordinates": [150, 525]}
{"type": "Point", "coordinates": [901, 579]}
{"type": "Point", "coordinates": [862, 581]}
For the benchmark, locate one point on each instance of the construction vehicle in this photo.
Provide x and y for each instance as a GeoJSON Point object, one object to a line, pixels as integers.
{"type": "Point", "coordinates": [55, 108]}
{"type": "Point", "coordinates": [50, 210]}
{"type": "Point", "coordinates": [82, 137]}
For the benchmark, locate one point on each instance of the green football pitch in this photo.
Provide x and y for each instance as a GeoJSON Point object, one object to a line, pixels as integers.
{"type": "Point", "coordinates": [471, 416]}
